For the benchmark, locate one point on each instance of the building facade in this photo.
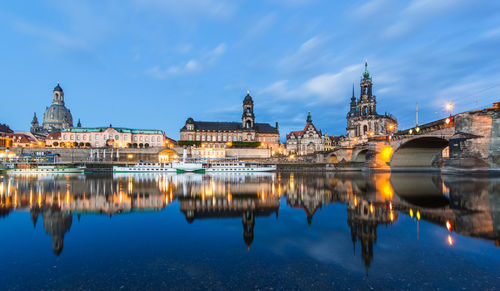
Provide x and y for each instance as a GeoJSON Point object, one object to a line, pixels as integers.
{"type": "Point", "coordinates": [306, 141]}
{"type": "Point", "coordinates": [219, 134]}
{"type": "Point", "coordinates": [363, 120]}
{"type": "Point", "coordinates": [112, 137]}
{"type": "Point", "coordinates": [56, 116]}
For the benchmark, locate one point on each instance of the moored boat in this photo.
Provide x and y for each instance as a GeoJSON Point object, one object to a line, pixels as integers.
{"type": "Point", "coordinates": [45, 169]}
{"type": "Point", "coordinates": [236, 166]}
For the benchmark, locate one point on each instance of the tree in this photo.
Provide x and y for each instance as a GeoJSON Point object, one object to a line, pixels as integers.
{"type": "Point", "coordinates": [81, 144]}
{"type": "Point", "coordinates": [75, 144]}
{"type": "Point", "coordinates": [87, 144]}
{"type": "Point", "coordinates": [55, 143]}
{"type": "Point", "coordinates": [141, 145]}
{"type": "Point", "coordinates": [129, 145]}
{"type": "Point", "coordinates": [134, 145]}
{"type": "Point", "coordinates": [146, 145]}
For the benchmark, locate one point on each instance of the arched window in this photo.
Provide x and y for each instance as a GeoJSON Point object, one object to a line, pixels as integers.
{"type": "Point", "coordinates": [365, 129]}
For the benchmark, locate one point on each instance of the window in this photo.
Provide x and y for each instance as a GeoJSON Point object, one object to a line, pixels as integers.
{"type": "Point", "coordinates": [224, 138]}
{"type": "Point", "coordinates": [84, 137]}
{"type": "Point", "coordinates": [96, 137]}
{"type": "Point", "coordinates": [230, 138]}
{"type": "Point", "coordinates": [202, 138]}
{"type": "Point", "coordinates": [190, 137]}
{"type": "Point", "coordinates": [117, 137]}
{"type": "Point", "coordinates": [197, 137]}
{"type": "Point", "coordinates": [72, 137]}
{"type": "Point", "coordinates": [135, 138]}
{"type": "Point", "coordinates": [219, 138]}
{"type": "Point", "coordinates": [140, 138]}
{"type": "Point", "coordinates": [147, 138]}
{"type": "Point", "coordinates": [158, 139]}
{"type": "Point", "coordinates": [64, 137]}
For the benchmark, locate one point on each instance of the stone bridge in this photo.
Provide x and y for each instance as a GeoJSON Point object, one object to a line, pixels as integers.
{"type": "Point", "coordinates": [465, 141]}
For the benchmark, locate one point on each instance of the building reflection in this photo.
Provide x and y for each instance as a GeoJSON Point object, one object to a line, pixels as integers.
{"type": "Point", "coordinates": [467, 206]}
{"type": "Point", "coordinates": [222, 196]}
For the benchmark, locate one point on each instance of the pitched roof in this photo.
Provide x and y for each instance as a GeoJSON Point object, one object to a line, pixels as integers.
{"type": "Point", "coordinates": [301, 132]}
{"type": "Point", "coordinates": [230, 126]}
{"type": "Point", "coordinates": [5, 128]}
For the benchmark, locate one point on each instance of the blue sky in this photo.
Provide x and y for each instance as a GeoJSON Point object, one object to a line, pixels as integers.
{"type": "Point", "coordinates": [153, 63]}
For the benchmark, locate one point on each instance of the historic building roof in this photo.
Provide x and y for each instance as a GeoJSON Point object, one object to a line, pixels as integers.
{"type": "Point", "coordinates": [228, 126]}
{"type": "Point", "coordinates": [56, 116]}
{"type": "Point", "coordinates": [58, 88]}
{"type": "Point", "coordinates": [300, 133]}
{"type": "Point", "coordinates": [4, 128]}
{"type": "Point", "coordinates": [119, 129]}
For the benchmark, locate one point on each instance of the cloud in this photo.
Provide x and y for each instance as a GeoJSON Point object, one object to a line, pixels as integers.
{"type": "Point", "coordinates": [309, 54]}
{"type": "Point", "coordinates": [324, 88]}
{"type": "Point", "coordinates": [47, 35]}
{"type": "Point", "coordinates": [370, 8]}
{"type": "Point", "coordinates": [418, 13]}
{"type": "Point", "coordinates": [257, 28]}
{"type": "Point", "coordinates": [189, 9]}
{"type": "Point", "coordinates": [191, 66]}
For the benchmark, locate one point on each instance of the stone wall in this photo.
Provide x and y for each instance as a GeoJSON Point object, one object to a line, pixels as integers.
{"type": "Point", "coordinates": [248, 153]}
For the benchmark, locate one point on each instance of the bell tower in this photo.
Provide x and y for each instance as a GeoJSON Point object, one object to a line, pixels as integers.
{"type": "Point", "coordinates": [367, 103]}
{"type": "Point", "coordinates": [58, 94]}
{"type": "Point", "coordinates": [248, 118]}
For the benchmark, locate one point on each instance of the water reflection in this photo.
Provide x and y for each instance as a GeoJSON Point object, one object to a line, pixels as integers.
{"type": "Point", "coordinates": [468, 206]}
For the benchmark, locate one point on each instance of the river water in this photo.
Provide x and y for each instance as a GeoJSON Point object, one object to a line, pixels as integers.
{"type": "Point", "coordinates": [249, 231]}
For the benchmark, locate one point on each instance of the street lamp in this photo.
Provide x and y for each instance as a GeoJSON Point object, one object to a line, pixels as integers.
{"type": "Point", "coordinates": [449, 106]}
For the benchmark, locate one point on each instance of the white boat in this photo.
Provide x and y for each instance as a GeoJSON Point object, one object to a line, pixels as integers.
{"type": "Point", "coordinates": [145, 168]}
{"type": "Point", "coordinates": [46, 170]}
{"type": "Point", "coordinates": [236, 166]}
{"type": "Point", "coordinates": [175, 167]}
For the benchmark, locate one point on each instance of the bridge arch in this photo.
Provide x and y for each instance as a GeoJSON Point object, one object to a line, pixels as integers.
{"type": "Point", "coordinates": [420, 152]}
{"type": "Point", "coordinates": [360, 157]}
{"type": "Point", "coordinates": [332, 158]}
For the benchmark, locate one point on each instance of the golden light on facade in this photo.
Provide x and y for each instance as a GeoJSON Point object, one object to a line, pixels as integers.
{"type": "Point", "coordinates": [418, 215]}
{"type": "Point", "coordinates": [447, 120]}
{"type": "Point", "coordinates": [410, 131]}
{"type": "Point", "coordinates": [448, 225]}
{"type": "Point", "coordinates": [391, 127]}
{"type": "Point", "coordinates": [386, 154]}
{"type": "Point", "coordinates": [130, 156]}
{"type": "Point", "coordinates": [292, 157]}
{"type": "Point", "coordinates": [411, 212]}
{"type": "Point", "coordinates": [392, 216]}
{"type": "Point", "coordinates": [417, 129]}
{"type": "Point", "coordinates": [371, 208]}
{"type": "Point", "coordinates": [355, 201]}
{"type": "Point", "coordinates": [371, 133]}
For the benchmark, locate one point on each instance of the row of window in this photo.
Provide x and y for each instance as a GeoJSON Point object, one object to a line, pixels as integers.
{"type": "Point", "coordinates": [224, 138]}
{"type": "Point", "coordinates": [106, 137]}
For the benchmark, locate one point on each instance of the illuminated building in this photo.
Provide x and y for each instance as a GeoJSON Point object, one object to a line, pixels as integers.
{"type": "Point", "coordinates": [363, 120]}
{"type": "Point", "coordinates": [219, 134]}
{"type": "Point", "coordinates": [56, 117]}
{"type": "Point", "coordinates": [306, 141]}
{"type": "Point", "coordinates": [113, 137]}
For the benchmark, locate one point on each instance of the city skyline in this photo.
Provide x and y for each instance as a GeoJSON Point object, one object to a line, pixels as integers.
{"type": "Point", "coordinates": [127, 63]}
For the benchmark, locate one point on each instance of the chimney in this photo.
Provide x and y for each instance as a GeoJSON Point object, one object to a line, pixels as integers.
{"type": "Point", "coordinates": [276, 125]}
